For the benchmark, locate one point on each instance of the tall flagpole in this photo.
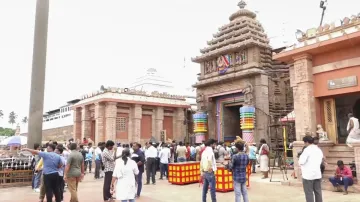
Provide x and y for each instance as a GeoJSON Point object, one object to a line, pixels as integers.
{"type": "Point", "coordinates": [38, 73]}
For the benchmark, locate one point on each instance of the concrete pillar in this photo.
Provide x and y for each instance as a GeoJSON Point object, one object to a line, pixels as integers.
{"type": "Point", "coordinates": [261, 96]}
{"type": "Point", "coordinates": [357, 159]}
{"type": "Point", "coordinates": [99, 123]}
{"type": "Point", "coordinates": [303, 90]}
{"type": "Point", "coordinates": [110, 121]}
{"type": "Point", "coordinates": [159, 120]}
{"type": "Point", "coordinates": [77, 124]}
{"type": "Point", "coordinates": [136, 116]}
{"type": "Point", "coordinates": [38, 74]}
{"type": "Point", "coordinates": [179, 132]}
{"type": "Point", "coordinates": [85, 122]}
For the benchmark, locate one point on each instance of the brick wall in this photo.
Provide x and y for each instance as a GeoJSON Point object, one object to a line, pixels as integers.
{"type": "Point", "coordinates": [58, 134]}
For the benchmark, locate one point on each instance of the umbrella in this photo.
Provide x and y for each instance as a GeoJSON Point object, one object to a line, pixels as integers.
{"type": "Point", "coordinates": [14, 141]}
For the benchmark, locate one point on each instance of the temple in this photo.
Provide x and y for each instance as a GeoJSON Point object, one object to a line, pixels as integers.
{"type": "Point", "coordinates": [324, 80]}
{"type": "Point", "coordinates": [241, 91]}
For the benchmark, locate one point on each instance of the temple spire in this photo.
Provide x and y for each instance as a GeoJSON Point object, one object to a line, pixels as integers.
{"type": "Point", "coordinates": [242, 4]}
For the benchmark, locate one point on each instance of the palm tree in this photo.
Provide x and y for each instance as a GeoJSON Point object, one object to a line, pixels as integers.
{"type": "Point", "coordinates": [1, 113]}
{"type": "Point", "coordinates": [24, 120]}
{"type": "Point", "coordinates": [12, 118]}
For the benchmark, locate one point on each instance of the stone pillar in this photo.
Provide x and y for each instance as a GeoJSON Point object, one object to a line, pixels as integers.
{"type": "Point", "coordinates": [261, 96]}
{"type": "Point", "coordinates": [297, 147]}
{"type": "Point", "coordinates": [301, 80]}
{"type": "Point", "coordinates": [159, 119]}
{"type": "Point", "coordinates": [135, 118]}
{"type": "Point", "coordinates": [179, 130]}
{"type": "Point", "coordinates": [99, 123]}
{"type": "Point", "coordinates": [77, 124]}
{"type": "Point", "coordinates": [85, 122]}
{"type": "Point", "coordinates": [36, 106]}
{"type": "Point", "coordinates": [357, 159]}
{"type": "Point", "coordinates": [110, 121]}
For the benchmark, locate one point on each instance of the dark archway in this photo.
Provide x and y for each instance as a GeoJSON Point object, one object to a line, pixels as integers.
{"type": "Point", "coordinates": [356, 109]}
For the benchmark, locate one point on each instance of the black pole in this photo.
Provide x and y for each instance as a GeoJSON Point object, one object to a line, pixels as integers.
{"type": "Point", "coordinates": [322, 16]}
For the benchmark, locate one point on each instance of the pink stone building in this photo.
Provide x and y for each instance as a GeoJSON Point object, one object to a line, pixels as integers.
{"type": "Point", "coordinates": [125, 115]}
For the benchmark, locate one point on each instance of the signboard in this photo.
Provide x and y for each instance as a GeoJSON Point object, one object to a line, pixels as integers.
{"type": "Point", "coordinates": [342, 82]}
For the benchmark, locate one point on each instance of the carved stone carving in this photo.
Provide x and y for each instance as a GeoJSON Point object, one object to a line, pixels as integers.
{"type": "Point", "coordinates": [321, 133]}
{"type": "Point", "coordinates": [133, 92]}
{"type": "Point", "coordinates": [241, 57]}
{"type": "Point", "coordinates": [248, 94]}
{"type": "Point", "coordinates": [200, 98]}
{"type": "Point", "coordinates": [209, 67]}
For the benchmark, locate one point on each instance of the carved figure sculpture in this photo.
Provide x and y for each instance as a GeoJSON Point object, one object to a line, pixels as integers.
{"type": "Point", "coordinates": [321, 133]}
{"type": "Point", "coordinates": [248, 94]}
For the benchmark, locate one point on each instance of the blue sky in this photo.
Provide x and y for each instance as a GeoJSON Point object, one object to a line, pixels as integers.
{"type": "Point", "coordinates": [112, 42]}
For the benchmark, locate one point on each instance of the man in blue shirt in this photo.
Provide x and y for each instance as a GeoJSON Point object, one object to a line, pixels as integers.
{"type": "Point", "coordinates": [52, 163]}
{"type": "Point", "coordinates": [252, 156]}
{"type": "Point", "coordinates": [238, 166]}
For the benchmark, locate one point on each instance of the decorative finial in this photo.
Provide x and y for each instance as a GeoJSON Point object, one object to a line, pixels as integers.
{"type": "Point", "coordinates": [242, 4]}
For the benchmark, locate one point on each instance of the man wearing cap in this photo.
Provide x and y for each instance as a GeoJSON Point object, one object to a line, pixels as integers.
{"type": "Point", "coordinates": [252, 156]}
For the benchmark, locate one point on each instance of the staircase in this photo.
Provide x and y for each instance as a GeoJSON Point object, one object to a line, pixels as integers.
{"type": "Point", "coordinates": [338, 152]}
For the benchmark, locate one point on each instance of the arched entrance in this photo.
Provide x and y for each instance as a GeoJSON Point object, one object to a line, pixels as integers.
{"type": "Point", "coordinates": [345, 104]}
{"type": "Point", "coordinates": [356, 109]}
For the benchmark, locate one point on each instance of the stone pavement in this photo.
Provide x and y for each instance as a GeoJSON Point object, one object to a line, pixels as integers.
{"type": "Point", "coordinates": [261, 190]}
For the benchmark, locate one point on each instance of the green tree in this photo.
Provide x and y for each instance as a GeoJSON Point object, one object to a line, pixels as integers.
{"type": "Point", "coordinates": [7, 131]}
{"type": "Point", "coordinates": [12, 118]}
{"type": "Point", "coordinates": [24, 120]}
{"type": "Point", "coordinates": [1, 113]}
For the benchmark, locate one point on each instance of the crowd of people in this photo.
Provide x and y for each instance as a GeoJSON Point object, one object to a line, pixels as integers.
{"type": "Point", "coordinates": [121, 166]}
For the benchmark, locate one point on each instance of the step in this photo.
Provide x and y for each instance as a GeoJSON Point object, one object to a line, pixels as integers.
{"type": "Point", "coordinates": [334, 160]}
{"type": "Point", "coordinates": [341, 154]}
{"type": "Point", "coordinates": [341, 148]}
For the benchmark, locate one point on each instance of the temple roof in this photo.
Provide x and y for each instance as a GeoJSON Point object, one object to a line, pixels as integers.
{"type": "Point", "coordinates": [242, 31]}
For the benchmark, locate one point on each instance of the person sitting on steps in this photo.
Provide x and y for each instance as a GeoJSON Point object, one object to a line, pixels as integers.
{"type": "Point", "coordinates": [343, 176]}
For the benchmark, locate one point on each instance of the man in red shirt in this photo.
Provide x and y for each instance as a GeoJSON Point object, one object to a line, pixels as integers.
{"type": "Point", "coordinates": [343, 176]}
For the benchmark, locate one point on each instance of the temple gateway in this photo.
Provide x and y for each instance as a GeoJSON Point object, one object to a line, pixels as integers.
{"type": "Point", "coordinates": [241, 91]}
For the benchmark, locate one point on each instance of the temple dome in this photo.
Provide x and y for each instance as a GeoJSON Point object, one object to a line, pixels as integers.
{"type": "Point", "coordinates": [242, 12]}
{"type": "Point", "coordinates": [243, 31]}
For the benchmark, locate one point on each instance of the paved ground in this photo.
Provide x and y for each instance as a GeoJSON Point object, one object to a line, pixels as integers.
{"type": "Point", "coordinates": [260, 191]}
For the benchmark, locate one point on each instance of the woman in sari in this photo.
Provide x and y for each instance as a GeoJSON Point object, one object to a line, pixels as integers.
{"type": "Point", "coordinates": [264, 158]}
{"type": "Point", "coordinates": [123, 184]}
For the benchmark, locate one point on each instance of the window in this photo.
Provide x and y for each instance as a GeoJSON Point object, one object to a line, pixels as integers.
{"type": "Point", "coordinates": [121, 124]}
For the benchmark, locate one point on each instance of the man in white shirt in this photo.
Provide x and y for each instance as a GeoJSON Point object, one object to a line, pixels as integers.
{"type": "Point", "coordinates": [164, 156]}
{"type": "Point", "coordinates": [150, 154]}
{"type": "Point", "coordinates": [208, 169]}
{"type": "Point", "coordinates": [310, 161]}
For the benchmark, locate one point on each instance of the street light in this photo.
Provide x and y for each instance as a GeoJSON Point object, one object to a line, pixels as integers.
{"type": "Point", "coordinates": [38, 73]}
{"type": "Point", "coordinates": [323, 5]}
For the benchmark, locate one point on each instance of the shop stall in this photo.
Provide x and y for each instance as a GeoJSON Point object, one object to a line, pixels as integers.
{"type": "Point", "coordinates": [184, 173]}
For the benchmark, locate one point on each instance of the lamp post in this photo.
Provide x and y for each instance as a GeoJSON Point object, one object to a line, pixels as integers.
{"type": "Point", "coordinates": [38, 73]}
{"type": "Point", "coordinates": [323, 4]}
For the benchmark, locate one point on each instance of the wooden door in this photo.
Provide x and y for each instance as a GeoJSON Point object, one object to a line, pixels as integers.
{"type": "Point", "coordinates": [330, 119]}
{"type": "Point", "coordinates": [168, 126]}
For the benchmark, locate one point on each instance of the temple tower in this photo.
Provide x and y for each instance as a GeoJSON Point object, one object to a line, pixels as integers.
{"type": "Point", "coordinates": [233, 75]}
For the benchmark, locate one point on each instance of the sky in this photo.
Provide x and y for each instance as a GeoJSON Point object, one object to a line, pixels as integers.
{"type": "Point", "coordinates": [112, 42]}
